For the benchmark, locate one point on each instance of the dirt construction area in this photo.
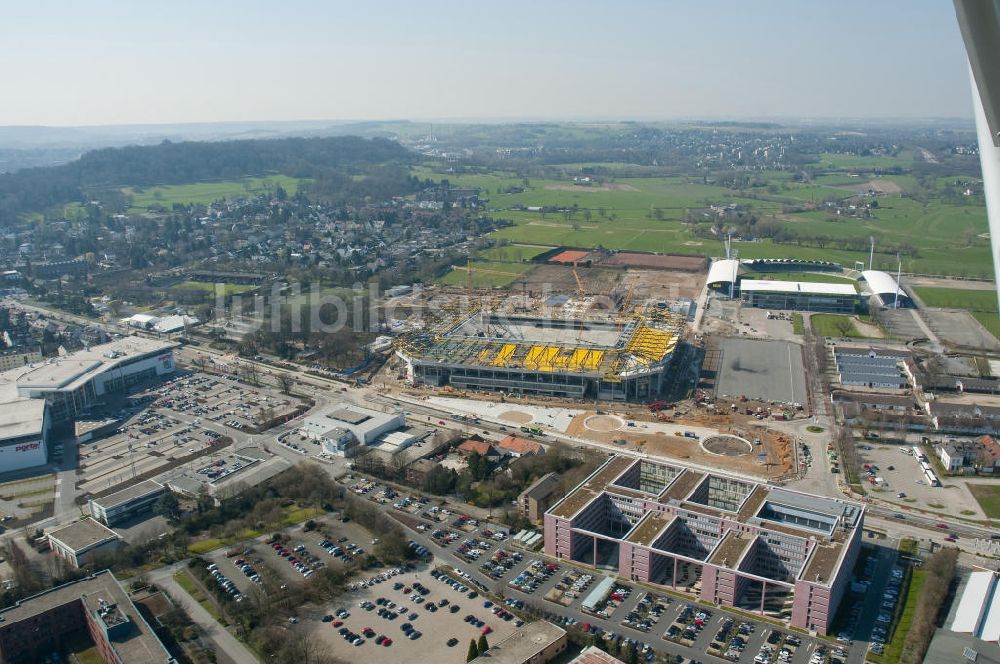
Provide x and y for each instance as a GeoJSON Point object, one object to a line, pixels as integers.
{"type": "Point", "coordinates": [666, 439]}
{"type": "Point", "coordinates": [663, 284]}
{"type": "Point", "coordinates": [435, 628]}
{"type": "Point", "coordinates": [560, 279]}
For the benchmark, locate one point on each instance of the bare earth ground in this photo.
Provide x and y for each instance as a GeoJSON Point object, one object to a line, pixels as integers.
{"type": "Point", "coordinates": [559, 278]}
{"type": "Point", "coordinates": [777, 446]}
{"type": "Point", "coordinates": [664, 284]}
{"type": "Point", "coordinates": [867, 329]}
{"type": "Point", "coordinates": [884, 186]}
{"type": "Point", "coordinates": [607, 186]}
{"type": "Point", "coordinates": [942, 282]}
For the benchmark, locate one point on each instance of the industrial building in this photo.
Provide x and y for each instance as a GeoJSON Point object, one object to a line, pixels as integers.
{"type": "Point", "coordinates": [80, 542]}
{"type": "Point", "coordinates": [800, 296]}
{"type": "Point", "coordinates": [730, 541]}
{"type": "Point", "coordinates": [614, 358]}
{"type": "Point", "coordinates": [344, 426]}
{"type": "Point", "coordinates": [94, 608]}
{"type": "Point", "coordinates": [127, 504]}
{"type": "Point", "coordinates": [37, 396]}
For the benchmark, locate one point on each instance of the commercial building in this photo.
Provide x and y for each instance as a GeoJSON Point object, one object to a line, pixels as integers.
{"type": "Point", "coordinates": [614, 358]}
{"type": "Point", "coordinates": [344, 426]}
{"type": "Point", "coordinates": [536, 499]}
{"type": "Point", "coordinates": [871, 368]}
{"type": "Point", "coordinates": [800, 296]}
{"type": "Point", "coordinates": [96, 607]}
{"type": "Point", "coordinates": [127, 504]}
{"type": "Point", "coordinates": [36, 396]}
{"type": "Point", "coordinates": [82, 541]}
{"type": "Point", "coordinates": [534, 643]}
{"type": "Point", "coordinates": [730, 541]}
{"type": "Point", "coordinates": [594, 655]}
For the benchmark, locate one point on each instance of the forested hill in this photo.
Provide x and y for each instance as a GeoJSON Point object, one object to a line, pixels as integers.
{"type": "Point", "coordinates": [35, 189]}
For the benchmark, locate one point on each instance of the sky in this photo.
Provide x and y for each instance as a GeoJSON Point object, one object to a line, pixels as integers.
{"type": "Point", "coordinates": [70, 63]}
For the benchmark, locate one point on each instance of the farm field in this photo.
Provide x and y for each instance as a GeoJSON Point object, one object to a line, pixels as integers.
{"type": "Point", "coordinates": [203, 193]}
{"type": "Point", "coordinates": [648, 214]}
{"type": "Point", "coordinates": [988, 497]}
{"type": "Point", "coordinates": [230, 289]}
{"type": "Point", "coordinates": [982, 304]}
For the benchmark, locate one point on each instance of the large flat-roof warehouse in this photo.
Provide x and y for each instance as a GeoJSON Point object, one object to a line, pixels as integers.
{"type": "Point", "coordinates": [35, 396]}
{"type": "Point", "coordinates": [726, 540]}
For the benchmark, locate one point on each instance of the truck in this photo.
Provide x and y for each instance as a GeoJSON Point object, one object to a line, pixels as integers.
{"type": "Point", "coordinates": [658, 405]}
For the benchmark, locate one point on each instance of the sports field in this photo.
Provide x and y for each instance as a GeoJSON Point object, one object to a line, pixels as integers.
{"type": "Point", "coordinates": [203, 193]}
{"type": "Point", "coordinates": [982, 304]}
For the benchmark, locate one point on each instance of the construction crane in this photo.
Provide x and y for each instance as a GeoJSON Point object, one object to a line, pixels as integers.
{"type": "Point", "coordinates": [579, 282]}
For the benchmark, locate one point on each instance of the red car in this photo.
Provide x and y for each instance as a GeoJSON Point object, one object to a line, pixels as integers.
{"type": "Point", "coordinates": [949, 538]}
{"type": "Point", "coordinates": [387, 643]}
{"type": "Point", "coordinates": [338, 623]}
{"type": "Point", "coordinates": [487, 630]}
{"type": "Point", "coordinates": [941, 525]}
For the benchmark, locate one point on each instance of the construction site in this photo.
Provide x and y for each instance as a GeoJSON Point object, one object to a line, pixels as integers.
{"type": "Point", "coordinates": [610, 346]}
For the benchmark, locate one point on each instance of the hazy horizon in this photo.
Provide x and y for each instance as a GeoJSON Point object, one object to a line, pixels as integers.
{"type": "Point", "coordinates": [112, 63]}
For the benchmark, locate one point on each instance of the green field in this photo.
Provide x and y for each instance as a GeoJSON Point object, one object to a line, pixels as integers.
{"type": "Point", "coordinates": [512, 253]}
{"type": "Point", "coordinates": [648, 214]}
{"type": "Point", "coordinates": [988, 497]}
{"type": "Point", "coordinates": [203, 193]}
{"type": "Point", "coordinates": [982, 304]}
{"type": "Point", "coordinates": [459, 277]}
{"type": "Point", "coordinates": [230, 289]}
{"type": "Point", "coordinates": [833, 325]}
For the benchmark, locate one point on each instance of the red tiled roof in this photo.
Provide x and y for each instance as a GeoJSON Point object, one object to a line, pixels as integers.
{"type": "Point", "coordinates": [480, 446]}
{"type": "Point", "coordinates": [519, 445]}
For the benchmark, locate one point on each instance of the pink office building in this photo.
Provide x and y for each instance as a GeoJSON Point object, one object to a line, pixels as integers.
{"type": "Point", "coordinates": [785, 554]}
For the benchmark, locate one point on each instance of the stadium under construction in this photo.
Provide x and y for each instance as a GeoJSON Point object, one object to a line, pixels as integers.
{"type": "Point", "coordinates": [613, 358]}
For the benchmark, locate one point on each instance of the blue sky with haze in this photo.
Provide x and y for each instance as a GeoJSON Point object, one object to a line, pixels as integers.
{"type": "Point", "coordinates": [140, 61]}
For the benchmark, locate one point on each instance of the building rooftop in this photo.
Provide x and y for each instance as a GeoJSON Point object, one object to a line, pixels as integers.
{"type": "Point", "coordinates": [730, 549]}
{"type": "Point", "coordinates": [139, 490]}
{"type": "Point", "coordinates": [83, 534]}
{"type": "Point", "coordinates": [519, 445]}
{"type": "Point", "coordinates": [20, 417]}
{"type": "Point", "coordinates": [648, 528]}
{"type": "Point", "coordinates": [138, 644]}
{"type": "Point", "coordinates": [542, 487]}
{"type": "Point", "coordinates": [523, 644]}
{"type": "Point", "coordinates": [802, 287]}
{"type": "Point", "coordinates": [592, 486]}
{"type": "Point", "coordinates": [682, 485]}
{"type": "Point", "coordinates": [594, 655]}
{"type": "Point", "coordinates": [823, 563]}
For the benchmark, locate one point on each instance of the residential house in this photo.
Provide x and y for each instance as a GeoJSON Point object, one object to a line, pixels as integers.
{"type": "Point", "coordinates": [518, 447]}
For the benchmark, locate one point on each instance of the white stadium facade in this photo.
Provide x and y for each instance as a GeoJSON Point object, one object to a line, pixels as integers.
{"type": "Point", "coordinates": [35, 397]}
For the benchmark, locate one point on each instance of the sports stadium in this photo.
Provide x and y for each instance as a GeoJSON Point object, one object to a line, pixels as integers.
{"type": "Point", "coordinates": [615, 358]}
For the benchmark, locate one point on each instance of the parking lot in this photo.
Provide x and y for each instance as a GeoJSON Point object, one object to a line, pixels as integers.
{"type": "Point", "coordinates": [397, 600]}
{"type": "Point", "coordinates": [661, 621]}
{"type": "Point", "coordinates": [901, 474]}
{"type": "Point", "coordinates": [167, 424]}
